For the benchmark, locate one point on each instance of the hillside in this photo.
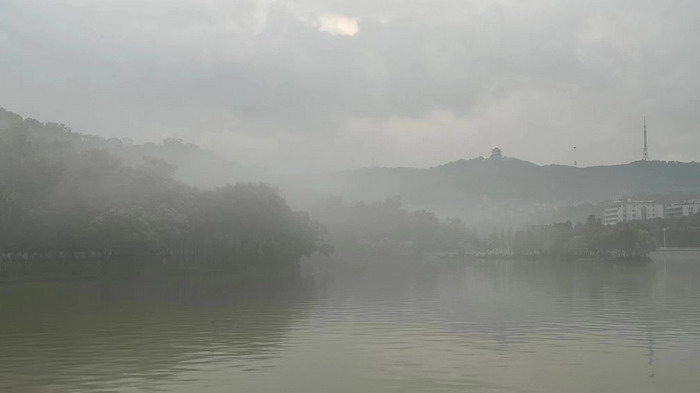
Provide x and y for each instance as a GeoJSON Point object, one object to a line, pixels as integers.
{"type": "Point", "coordinates": [516, 180]}
{"type": "Point", "coordinates": [482, 191]}
{"type": "Point", "coordinates": [507, 191]}
{"type": "Point", "coordinates": [186, 162]}
{"type": "Point", "coordinates": [61, 199]}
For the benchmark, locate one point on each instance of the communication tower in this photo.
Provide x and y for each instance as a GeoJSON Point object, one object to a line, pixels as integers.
{"type": "Point", "coordinates": [645, 155]}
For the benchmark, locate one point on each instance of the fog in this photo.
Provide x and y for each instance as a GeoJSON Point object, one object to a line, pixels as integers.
{"type": "Point", "coordinates": [342, 196]}
{"type": "Point", "coordinates": [302, 85]}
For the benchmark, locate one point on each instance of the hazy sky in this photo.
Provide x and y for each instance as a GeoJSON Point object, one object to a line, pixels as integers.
{"type": "Point", "coordinates": [333, 84]}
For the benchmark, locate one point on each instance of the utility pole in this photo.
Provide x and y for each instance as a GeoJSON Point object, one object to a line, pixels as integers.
{"type": "Point", "coordinates": [665, 238]}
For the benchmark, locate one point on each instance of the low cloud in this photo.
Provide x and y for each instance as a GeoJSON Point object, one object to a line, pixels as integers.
{"type": "Point", "coordinates": [292, 85]}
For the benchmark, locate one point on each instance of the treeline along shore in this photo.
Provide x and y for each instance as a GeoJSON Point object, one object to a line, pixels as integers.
{"type": "Point", "coordinates": [387, 229]}
{"type": "Point", "coordinates": [591, 239]}
{"type": "Point", "coordinates": [69, 209]}
{"type": "Point", "coordinates": [60, 202]}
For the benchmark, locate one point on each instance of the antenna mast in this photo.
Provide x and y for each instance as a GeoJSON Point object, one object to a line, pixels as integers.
{"type": "Point", "coordinates": [645, 155]}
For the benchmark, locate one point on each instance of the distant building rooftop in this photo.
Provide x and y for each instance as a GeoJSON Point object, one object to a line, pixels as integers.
{"type": "Point", "coordinates": [496, 153]}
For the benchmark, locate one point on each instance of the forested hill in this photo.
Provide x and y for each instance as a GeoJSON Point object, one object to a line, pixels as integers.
{"type": "Point", "coordinates": [504, 178]}
{"type": "Point", "coordinates": [500, 191]}
{"type": "Point", "coordinates": [185, 161]}
{"type": "Point", "coordinates": [506, 191]}
{"type": "Point", "coordinates": [512, 180]}
{"type": "Point", "coordinates": [60, 198]}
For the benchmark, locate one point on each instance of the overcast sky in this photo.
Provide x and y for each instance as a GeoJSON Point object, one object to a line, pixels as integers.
{"type": "Point", "coordinates": [334, 84]}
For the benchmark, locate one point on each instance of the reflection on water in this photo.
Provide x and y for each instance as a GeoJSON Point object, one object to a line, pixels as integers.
{"type": "Point", "coordinates": [493, 326]}
{"type": "Point", "coordinates": [109, 336]}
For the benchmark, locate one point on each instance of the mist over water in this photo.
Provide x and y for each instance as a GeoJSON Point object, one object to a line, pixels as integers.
{"type": "Point", "coordinates": [308, 196]}
{"type": "Point", "coordinates": [400, 326]}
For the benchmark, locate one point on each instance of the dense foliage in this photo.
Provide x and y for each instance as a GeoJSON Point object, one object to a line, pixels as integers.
{"type": "Point", "coordinates": [589, 239]}
{"type": "Point", "coordinates": [679, 232]}
{"type": "Point", "coordinates": [58, 198]}
{"type": "Point", "coordinates": [389, 228]}
{"type": "Point", "coordinates": [61, 196]}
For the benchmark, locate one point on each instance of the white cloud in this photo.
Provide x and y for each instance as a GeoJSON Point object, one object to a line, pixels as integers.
{"type": "Point", "coordinates": [335, 24]}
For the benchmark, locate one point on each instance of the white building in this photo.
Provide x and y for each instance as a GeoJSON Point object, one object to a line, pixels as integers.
{"type": "Point", "coordinates": [631, 210]}
{"type": "Point", "coordinates": [684, 209]}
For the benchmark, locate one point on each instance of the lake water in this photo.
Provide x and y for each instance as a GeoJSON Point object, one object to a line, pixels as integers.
{"type": "Point", "coordinates": [481, 326]}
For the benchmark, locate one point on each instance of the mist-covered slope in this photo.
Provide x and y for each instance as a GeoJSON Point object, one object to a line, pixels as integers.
{"type": "Point", "coordinates": [515, 180]}
{"type": "Point", "coordinates": [59, 198]}
{"type": "Point", "coordinates": [185, 161]}
{"type": "Point", "coordinates": [506, 179]}
{"type": "Point", "coordinates": [503, 191]}
{"type": "Point", "coordinates": [507, 191]}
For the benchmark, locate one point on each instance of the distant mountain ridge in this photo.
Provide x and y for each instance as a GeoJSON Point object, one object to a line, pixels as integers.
{"type": "Point", "coordinates": [507, 178]}
{"type": "Point", "coordinates": [516, 180]}
{"type": "Point", "coordinates": [508, 191]}
{"type": "Point", "coordinates": [498, 189]}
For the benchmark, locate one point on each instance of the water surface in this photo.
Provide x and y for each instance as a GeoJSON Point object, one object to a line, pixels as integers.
{"type": "Point", "coordinates": [483, 326]}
